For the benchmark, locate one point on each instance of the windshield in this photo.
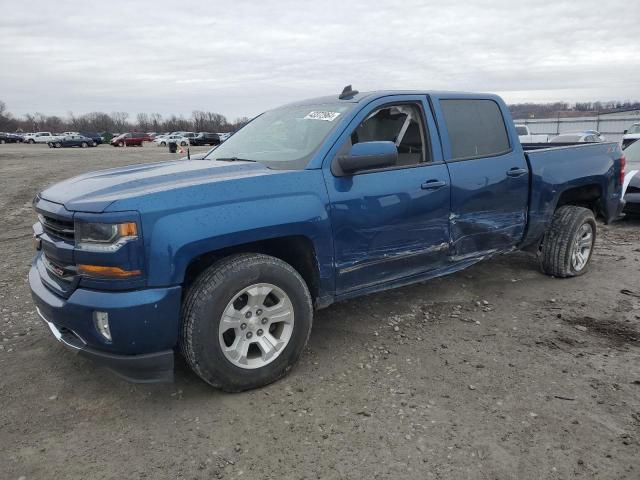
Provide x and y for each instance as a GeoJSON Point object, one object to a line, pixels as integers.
{"type": "Point", "coordinates": [284, 138]}
{"type": "Point", "coordinates": [635, 128]}
{"type": "Point", "coordinates": [632, 152]}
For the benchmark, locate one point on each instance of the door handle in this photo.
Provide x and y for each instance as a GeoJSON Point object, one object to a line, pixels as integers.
{"type": "Point", "coordinates": [516, 172]}
{"type": "Point", "coordinates": [433, 185]}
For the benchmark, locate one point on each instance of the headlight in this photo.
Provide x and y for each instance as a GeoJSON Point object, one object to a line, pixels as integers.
{"type": "Point", "coordinates": [104, 237]}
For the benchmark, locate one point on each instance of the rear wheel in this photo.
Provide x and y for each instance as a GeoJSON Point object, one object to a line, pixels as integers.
{"type": "Point", "coordinates": [121, 144]}
{"type": "Point", "coordinates": [567, 245]}
{"type": "Point", "coordinates": [31, 141]}
{"type": "Point", "coordinates": [183, 144]}
{"type": "Point", "coordinates": [2, 141]}
{"type": "Point", "coordinates": [58, 145]}
{"type": "Point", "coordinates": [84, 145]}
{"type": "Point", "coordinates": [245, 321]}
{"type": "Point", "coordinates": [94, 144]}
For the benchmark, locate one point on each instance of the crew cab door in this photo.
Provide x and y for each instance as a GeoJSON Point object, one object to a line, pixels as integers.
{"type": "Point", "coordinates": [393, 222]}
{"type": "Point", "coordinates": [489, 175]}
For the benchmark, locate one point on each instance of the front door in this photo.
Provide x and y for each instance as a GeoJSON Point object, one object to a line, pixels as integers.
{"type": "Point", "coordinates": [390, 223]}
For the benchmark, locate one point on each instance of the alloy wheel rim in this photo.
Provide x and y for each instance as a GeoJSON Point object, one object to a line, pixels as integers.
{"type": "Point", "coordinates": [582, 246]}
{"type": "Point", "coordinates": [256, 326]}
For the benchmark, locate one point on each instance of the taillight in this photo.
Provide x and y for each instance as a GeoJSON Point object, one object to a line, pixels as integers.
{"type": "Point", "coordinates": [623, 163]}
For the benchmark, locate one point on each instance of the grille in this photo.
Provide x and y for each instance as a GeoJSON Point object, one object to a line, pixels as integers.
{"type": "Point", "coordinates": [63, 271]}
{"type": "Point", "coordinates": [58, 228]}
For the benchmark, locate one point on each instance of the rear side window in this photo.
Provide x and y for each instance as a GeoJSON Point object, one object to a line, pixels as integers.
{"type": "Point", "coordinates": [476, 128]}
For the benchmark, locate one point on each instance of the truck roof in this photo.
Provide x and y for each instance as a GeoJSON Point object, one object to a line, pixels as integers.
{"type": "Point", "coordinates": [361, 96]}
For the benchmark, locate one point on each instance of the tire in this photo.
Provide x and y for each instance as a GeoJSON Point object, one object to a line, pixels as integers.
{"type": "Point", "coordinates": [163, 144]}
{"type": "Point", "coordinates": [183, 144]}
{"type": "Point", "coordinates": [58, 145]}
{"type": "Point", "coordinates": [121, 144]}
{"type": "Point", "coordinates": [3, 141]}
{"type": "Point", "coordinates": [570, 225]}
{"type": "Point", "coordinates": [210, 296]}
{"type": "Point", "coordinates": [50, 145]}
{"type": "Point", "coordinates": [94, 144]}
{"type": "Point", "coordinates": [84, 145]}
{"type": "Point", "coordinates": [31, 141]}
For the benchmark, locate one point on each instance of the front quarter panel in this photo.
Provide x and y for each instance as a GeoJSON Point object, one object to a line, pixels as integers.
{"type": "Point", "coordinates": [214, 216]}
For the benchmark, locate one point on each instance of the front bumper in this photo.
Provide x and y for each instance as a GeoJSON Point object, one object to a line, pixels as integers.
{"type": "Point", "coordinates": [632, 203]}
{"type": "Point", "coordinates": [143, 324]}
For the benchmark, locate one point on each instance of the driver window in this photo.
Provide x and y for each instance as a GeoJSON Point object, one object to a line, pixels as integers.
{"type": "Point", "coordinates": [400, 124]}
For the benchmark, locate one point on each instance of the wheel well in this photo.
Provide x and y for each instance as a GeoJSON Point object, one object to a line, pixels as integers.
{"type": "Point", "coordinates": [296, 250]}
{"type": "Point", "coordinates": [588, 196]}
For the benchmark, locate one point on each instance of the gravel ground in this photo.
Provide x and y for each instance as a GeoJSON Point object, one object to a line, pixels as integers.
{"type": "Point", "coordinates": [497, 372]}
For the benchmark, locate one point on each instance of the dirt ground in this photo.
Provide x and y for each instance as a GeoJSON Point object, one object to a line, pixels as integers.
{"type": "Point", "coordinates": [497, 372]}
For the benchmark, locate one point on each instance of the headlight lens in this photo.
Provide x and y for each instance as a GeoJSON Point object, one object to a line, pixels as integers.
{"type": "Point", "coordinates": [104, 237]}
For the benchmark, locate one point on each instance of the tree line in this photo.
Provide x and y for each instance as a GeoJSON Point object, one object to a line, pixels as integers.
{"type": "Point", "coordinates": [117, 122]}
{"type": "Point", "coordinates": [565, 109]}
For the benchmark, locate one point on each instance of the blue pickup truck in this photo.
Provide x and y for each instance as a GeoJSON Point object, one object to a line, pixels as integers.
{"type": "Point", "coordinates": [225, 258]}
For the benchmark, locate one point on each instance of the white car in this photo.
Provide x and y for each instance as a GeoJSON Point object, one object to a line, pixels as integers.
{"type": "Point", "coordinates": [177, 138]}
{"type": "Point", "coordinates": [580, 137]}
{"type": "Point", "coordinates": [42, 137]}
{"type": "Point", "coordinates": [631, 134]}
{"type": "Point", "coordinates": [525, 135]}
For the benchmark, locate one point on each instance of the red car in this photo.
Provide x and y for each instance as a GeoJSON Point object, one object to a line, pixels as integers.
{"type": "Point", "coordinates": [129, 139]}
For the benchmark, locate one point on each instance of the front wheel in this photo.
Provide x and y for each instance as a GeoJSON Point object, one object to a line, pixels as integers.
{"type": "Point", "coordinates": [58, 145]}
{"type": "Point", "coordinates": [183, 144]}
{"type": "Point", "coordinates": [31, 141]}
{"type": "Point", "coordinates": [567, 245]}
{"type": "Point", "coordinates": [84, 145]}
{"type": "Point", "coordinates": [245, 321]}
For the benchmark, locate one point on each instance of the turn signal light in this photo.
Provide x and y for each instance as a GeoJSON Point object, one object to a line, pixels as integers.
{"type": "Point", "coordinates": [623, 164]}
{"type": "Point", "coordinates": [106, 272]}
{"type": "Point", "coordinates": [129, 229]}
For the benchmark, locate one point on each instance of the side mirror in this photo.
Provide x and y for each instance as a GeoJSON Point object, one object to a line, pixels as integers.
{"type": "Point", "coordinates": [625, 132]}
{"type": "Point", "coordinates": [368, 156]}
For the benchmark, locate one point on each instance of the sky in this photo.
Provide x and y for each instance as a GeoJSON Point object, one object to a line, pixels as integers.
{"type": "Point", "coordinates": [240, 58]}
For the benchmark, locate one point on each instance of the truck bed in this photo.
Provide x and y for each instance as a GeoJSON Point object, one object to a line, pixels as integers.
{"type": "Point", "coordinates": [565, 167]}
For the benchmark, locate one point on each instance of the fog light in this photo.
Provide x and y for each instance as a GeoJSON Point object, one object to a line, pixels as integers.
{"type": "Point", "coordinates": [101, 320]}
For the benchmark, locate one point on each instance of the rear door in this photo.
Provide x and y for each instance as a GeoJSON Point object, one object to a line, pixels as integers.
{"type": "Point", "coordinates": [489, 175]}
{"type": "Point", "coordinates": [390, 223]}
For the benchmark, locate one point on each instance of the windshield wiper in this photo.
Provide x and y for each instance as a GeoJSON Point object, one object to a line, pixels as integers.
{"type": "Point", "coordinates": [234, 159]}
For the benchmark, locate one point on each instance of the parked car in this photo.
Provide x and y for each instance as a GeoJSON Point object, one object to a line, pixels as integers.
{"type": "Point", "coordinates": [130, 139]}
{"type": "Point", "coordinates": [226, 257]}
{"type": "Point", "coordinates": [94, 136]}
{"type": "Point", "coordinates": [632, 194]}
{"type": "Point", "coordinates": [525, 135]}
{"type": "Point", "coordinates": [41, 137]}
{"type": "Point", "coordinates": [569, 138]}
{"type": "Point", "coordinates": [631, 134]}
{"type": "Point", "coordinates": [178, 139]}
{"type": "Point", "coordinates": [9, 138]}
{"type": "Point", "coordinates": [73, 141]}
{"type": "Point", "coordinates": [224, 136]}
{"type": "Point", "coordinates": [205, 138]}
{"type": "Point", "coordinates": [600, 136]}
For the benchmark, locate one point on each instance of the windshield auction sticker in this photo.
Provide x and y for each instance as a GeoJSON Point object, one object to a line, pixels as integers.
{"type": "Point", "coordinates": [326, 116]}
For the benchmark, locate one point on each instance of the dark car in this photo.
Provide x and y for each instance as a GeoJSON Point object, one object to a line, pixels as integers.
{"type": "Point", "coordinates": [9, 138]}
{"type": "Point", "coordinates": [130, 139]}
{"type": "Point", "coordinates": [94, 136]}
{"type": "Point", "coordinates": [73, 141]}
{"type": "Point", "coordinates": [632, 195]}
{"type": "Point", "coordinates": [205, 138]}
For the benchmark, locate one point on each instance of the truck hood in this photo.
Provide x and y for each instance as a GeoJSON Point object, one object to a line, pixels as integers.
{"type": "Point", "coordinates": [95, 191]}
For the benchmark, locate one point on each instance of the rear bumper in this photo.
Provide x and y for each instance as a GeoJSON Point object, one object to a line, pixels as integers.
{"type": "Point", "coordinates": [143, 325]}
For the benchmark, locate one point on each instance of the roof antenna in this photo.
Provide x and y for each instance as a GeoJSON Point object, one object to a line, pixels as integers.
{"type": "Point", "coordinates": [347, 92]}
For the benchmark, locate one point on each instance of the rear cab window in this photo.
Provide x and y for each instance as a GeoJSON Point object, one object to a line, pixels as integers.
{"type": "Point", "coordinates": [476, 128]}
